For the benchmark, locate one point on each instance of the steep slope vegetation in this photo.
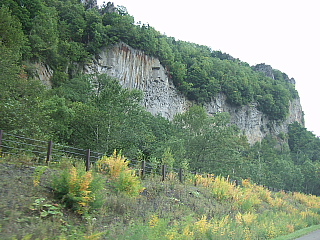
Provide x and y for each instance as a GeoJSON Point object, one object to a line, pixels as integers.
{"type": "Point", "coordinates": [214, 208]}
{"type": "Point", "coordinates": [94, 111]}
{"type": "Point", "coordinates": [197, 71]}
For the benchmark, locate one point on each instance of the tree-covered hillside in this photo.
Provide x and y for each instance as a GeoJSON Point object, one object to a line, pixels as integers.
{"type": "Point", "coordinates": [93, 111]}
{"type": "Point", "coordinates": [63, 32]}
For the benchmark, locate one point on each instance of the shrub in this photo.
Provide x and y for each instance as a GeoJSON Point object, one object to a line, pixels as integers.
{"type": "Point", "coordinates": [78, 189]}
{"type": "Point", "coordinates": [123, 179]}
{"type": "Point", "coordinates": [223, 189]}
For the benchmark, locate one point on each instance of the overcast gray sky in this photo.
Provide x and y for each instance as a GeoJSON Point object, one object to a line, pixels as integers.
{"type": "Point", "coordinates": [280, 33]}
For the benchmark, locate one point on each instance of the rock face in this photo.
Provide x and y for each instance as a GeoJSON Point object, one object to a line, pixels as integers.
{"type": "Point", "coordinates": [90, 3]}
{"type": "Point", "coordinates": [136, 70]}
{"type": "Point", "coordinates": [44, 73]}
{"type": "Point", "coordinates": [266, 69]}
{"type": "Point", "coordinates": [252, 122]}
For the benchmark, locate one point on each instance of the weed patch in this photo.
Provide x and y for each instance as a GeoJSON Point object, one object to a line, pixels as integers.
{"type": "Point", "coordinates": [208, 207]}
{"type": "Point", "coordinates": [79, 189]}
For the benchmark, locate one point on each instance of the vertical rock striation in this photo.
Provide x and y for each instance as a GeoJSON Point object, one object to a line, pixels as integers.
{"type": "Point", "coordinates": [136, 70]}
{"type": "Point", "coordinates": [44, 73]}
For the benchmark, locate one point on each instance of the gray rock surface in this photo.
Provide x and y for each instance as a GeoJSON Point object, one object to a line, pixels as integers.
{"type": "Point", "coordinates": [136, 70]}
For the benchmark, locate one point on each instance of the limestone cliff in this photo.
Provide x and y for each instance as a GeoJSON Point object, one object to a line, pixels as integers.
{"type": "Point", "coordinates": [136, 70]}
{"type": "Point", "coordinates": [253, 123]}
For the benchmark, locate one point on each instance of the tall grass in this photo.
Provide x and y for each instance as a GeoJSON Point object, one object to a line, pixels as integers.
{"type": "Point", "coordinates": [122, 178]}
{"type": "Point", "coordinates": [112, 206]}
{"type": "Point", "coordinates": [256, 213]}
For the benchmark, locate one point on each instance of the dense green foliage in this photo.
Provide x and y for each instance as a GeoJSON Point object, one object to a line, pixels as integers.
{"type": "Point", "coordinates": [93, 111]}
{"type": "Point", "coordinates": [294, 166]}
{"type": "Point", "coordinates": [63, 32]}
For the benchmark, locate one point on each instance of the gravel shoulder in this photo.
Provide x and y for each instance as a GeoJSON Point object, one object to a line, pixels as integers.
{"type": "Point", "coordinates": [311, 236]}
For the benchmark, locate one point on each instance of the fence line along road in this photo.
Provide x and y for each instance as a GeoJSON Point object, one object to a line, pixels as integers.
{"type": "Point", "coordinates": [47, 150]}
{"type": "Point", "coordinates": [50, 151]}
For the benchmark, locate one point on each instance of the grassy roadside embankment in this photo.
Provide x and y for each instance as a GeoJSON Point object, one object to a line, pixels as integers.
{"type": "Point", "coordinates": [111, 209]}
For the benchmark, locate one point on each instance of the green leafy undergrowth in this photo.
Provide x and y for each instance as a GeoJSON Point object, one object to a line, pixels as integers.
{"type": "Point", "coordinates": [202, 207]}
{"type": "Point", "coordinates": [79, 189]}
{"type": "Point", "coordinates": [45, 208]}
{"type": "Point", "coordinates": [32, 212]}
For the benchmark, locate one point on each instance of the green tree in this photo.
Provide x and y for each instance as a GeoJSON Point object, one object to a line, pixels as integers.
{"type": "Point", "coordinates": [310, 173]}
{"type": "Point", "coordinates": [276, 166]}
{"type": "Point", "coordinates": [209, 143]}
{"type": "Point", "coordinates": [72, 22]}
{"type": "Point", "coordinates": [103, 116]}
{"type": "Point", "coordinates": [119, 26]}
{"type": "Point", "coordinates": [20, 96]}
{"type": "Point", "coordinates": [11, 34]}
{"type": "Point", "coordinates": [303, 143]}
{"type": "Point", "coordinates": [44, 34]}
{"type": "Point", "coordinates": [78, 89]}
{"type": "Point", "coordinates": [95, 32]}
{"type": "Point", "coordinates": [61, 115]}
{"type": "Point", "coordinates": [25, 11]}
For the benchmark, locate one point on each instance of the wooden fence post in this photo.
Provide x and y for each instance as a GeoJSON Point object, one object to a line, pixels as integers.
{"type": "Point", "coordinates": [164, 169]}
{"type": "Point", "coordinates": [88, 160]}
{"type": "Point", "coordinates": [143, 169]}
{"type": "Point", "coordinates": [1, 135]}
{"type": "Point", "coordinates": [181, 177]}
{"type": "Point", "coordinates": [236, 183]}
{"type": "Point", "coordinates": [49, 151]}
{"type": "Point", "coordinates": [195, 179]}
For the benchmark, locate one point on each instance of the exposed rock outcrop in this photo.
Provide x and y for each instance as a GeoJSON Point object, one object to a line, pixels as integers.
{"type": "Point", "coordinates": [44, 73]}
{"type": "Point", "coordinates": [266, 69]}
{"type": "Point", "coordinates": [90, 3]}
{"type": "Point", "coordinates": [253, 123]}
{"type": "Point", "coordinates": [136, 70]}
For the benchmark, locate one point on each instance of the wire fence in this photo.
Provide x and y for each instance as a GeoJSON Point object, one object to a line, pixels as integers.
{"type": "Point", "coordinates": [48, 151]}
{"type": "Point", "coordinates": [43, 151]}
